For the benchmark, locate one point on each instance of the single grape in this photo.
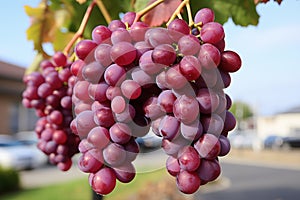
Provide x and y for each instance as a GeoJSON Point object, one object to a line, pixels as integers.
{"type": "Point", "coordinates": [138, 30]}
{"type": "Point", "coordinates": [230, 61]}
{"type": "Point", "coordinates": [190, 67]}
{"type": "Point", "coordinates": [146, 63]}
{"type": "Point", "coordinates": [204, 16]}
{"type": "Point", "coordinates": [172, 166]}
{"type": "Point", "coordinates": [114, 75]}
{"type": "Point", "coordinates": [208, 100]}
{"type": "Point", "coordinates": [212, 32]}
{"type": "Point", "coordinates": [188, 182]}
{"type": "Point", "coordinates": [208, 146]}
{"type": "Point", "coordinates": [186, 109]}
{"type": "Point", "coordinates": [128, 18]}
{"type": "Point", "coordinates": [188, 158]}
{"type": "Point", "coordinates": [97, 92]}
{"type": "Point", "coordinates": [104, 181]}
{"type": "Point", "coordinates": [98, 137]}
{"type": "Point", "coordinates": [177, 28]}
{"type": "Point", "coordinates": [125, 173]}
{"type": "Point", "coordinates": [60, 59]}
{"type": "Point", "coordinates": [101, 34]}
{"type": "Point", "coordinates": [131, 89]}
{"type": "Point", "coordinates": [169, 127]}
{"type": "Point", "coordinates": [84, 47]}
{"type": "Point", "coordinates": [120, 35]}
{"type": "Point", "coordinates": [91, 161]}
{"type": "Point", "coordinates": [225, 145]}
{"type": "Point", "coordinates": [213, 124]}
{"type": "Point", "coordinates": [123, 53]}
{"type": "Point", "coordinates": [93, 72]}
{"type": "Point", "coordinates": [209, 170]}
{"type": "Point", "coordinates": [164, 54]}
{"type": "Point", "coordinates": [166, 101]}
{"type": "Point", "coordinates": [174, 79]}
{"type": "Point", "coordinates": [192, 131]}
{"type": "Point", "coordinates": [158, 36]}
{"type": "Point", "coordinates": [114, 154]}
{"type": "Point", "coordinates": [102, 54]}
{"type": "Point", "coordinates": [116, 24]}
{"type": "Point", "coordinates": [120, 133]}
{"type": "Point", "coordinates": [189, 45]}
{"type": "Point", "coordinates": [209, 56]}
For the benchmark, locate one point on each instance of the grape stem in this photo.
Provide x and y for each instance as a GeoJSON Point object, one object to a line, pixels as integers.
{"type": "Point", "coordinates": [190, 15]}
{"type": "Point", "coordinates": [147, 9]}
{"type": "Point", "coordinates": [177, 11]}
{"type": "Point", "coordinates": [80, 31]}
{"type": "Point", "coordinates": [103, 10]}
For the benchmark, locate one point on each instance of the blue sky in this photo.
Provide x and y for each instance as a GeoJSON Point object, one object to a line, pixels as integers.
{"type": "Point", "coordinates": [269, 79]}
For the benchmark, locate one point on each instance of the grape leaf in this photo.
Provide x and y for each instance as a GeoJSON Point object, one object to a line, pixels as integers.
{"type": "Point", "coordinates": [242, 12]}
{"type": "Point", "coordinates": [161, 13]}
{"type": "Point", "coordinates": [42, 25]}
{"type": "Point", "coordinates": [266, 1]}
{"type": "Point", "coordinates": [35, 65]}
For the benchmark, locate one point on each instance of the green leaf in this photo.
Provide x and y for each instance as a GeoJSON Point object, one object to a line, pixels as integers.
{"type": "Point", "coordinates": [61, 40]}
{"type": "Point", "coordinates": [140, 5]}
{"type": "Point", "coordinates": [35, 65]}
{"type": "Point", "coordinates": [242, 12]}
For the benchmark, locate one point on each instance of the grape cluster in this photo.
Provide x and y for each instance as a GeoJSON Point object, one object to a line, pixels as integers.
{"type": "Point", "coordinates": [132, 77]}
{"type": "Point", "coordinates": [49, 92]}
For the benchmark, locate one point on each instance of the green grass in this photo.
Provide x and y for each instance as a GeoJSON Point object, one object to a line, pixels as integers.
{"type": "Point", "coordinates": [80, 190]}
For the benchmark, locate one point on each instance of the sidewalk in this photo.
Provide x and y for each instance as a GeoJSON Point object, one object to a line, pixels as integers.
{"type": "Point", "coordinates": [274, 158]}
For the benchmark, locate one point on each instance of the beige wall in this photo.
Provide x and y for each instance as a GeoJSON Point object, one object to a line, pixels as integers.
{"type": "Point", "coordinates": [283, 124]}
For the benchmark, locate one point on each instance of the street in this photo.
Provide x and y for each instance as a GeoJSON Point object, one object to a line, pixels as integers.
{"type": "Point", "coordinates": [248, 182]}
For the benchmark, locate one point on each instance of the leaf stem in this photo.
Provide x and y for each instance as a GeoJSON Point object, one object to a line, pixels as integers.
{"type": "Point", "coordinates": [177, 11]}
{"type": "Point", "coordinates": [147, 9]}
{"type": "Point", "coordinates": [80, 31]}
{"type": "Point", "coordinates": [103, 10]}
{"type": "Point", "coordinates": [45, 11]}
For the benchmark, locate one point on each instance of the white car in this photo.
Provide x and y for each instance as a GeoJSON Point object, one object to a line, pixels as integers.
{"type": "Point", "coordinates": [19, 156]}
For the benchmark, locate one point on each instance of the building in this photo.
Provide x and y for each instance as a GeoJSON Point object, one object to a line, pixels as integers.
{"type": "Point", "coordinates": [282, 124]}
{"type": "Point", "coordinates": [14, 117]}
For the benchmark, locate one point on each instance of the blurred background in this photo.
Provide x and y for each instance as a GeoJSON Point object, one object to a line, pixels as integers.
{"type": "Point", "coordinates": [265, 92]}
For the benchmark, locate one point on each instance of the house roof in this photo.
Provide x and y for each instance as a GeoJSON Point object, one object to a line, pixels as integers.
{"type": "Point", "coordinates": [11, 71]}
{"type": "Point", "coordinates": [11, 79]}
{"type": "Point", "coordinates": [291, 110]}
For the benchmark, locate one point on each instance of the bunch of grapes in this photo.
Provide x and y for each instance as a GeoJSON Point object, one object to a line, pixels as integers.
{"type": "Point", "coordinates": [49, 92]}
{"type": "Point", "coordinates": [131, 77]}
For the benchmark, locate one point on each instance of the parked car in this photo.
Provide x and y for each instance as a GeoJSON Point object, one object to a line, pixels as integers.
{"type": "Point", "coordinates": [149, 141]}
{"type": "Point", "coordinates": [244, 139]}
{"type": "Point", "coordinates": [276, 142]}
{"type": "Point", "coordinates": [17, 155]}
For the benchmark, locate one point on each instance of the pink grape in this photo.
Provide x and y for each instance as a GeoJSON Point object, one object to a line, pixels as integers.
{"type": "Point", "coordinates": [208, 146]}
{"type": "Point", "coordinates": [188, 158]}
{"type": "Point", "coordinates": [204, 16]}
{"type": "Point", "coordinates": [104, 181]}
{"type": "Point", "coordinates": [212, 32]}
{"type": "Point", "coordinates": [188, 182]}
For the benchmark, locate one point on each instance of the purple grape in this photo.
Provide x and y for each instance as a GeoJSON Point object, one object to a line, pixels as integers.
{"type": "Point", "coordinates": [186, 109]}
{"type": "Point", "coordinates": [209, 170]}
{"type": "Point", "coordinates": [164, 54]}
{"type": "Point", "coordinates": [189, 45]}
{"type": "Point", "coordinates": [123, 53]}
{"type": "Point", "coordinates": [204, 16]}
